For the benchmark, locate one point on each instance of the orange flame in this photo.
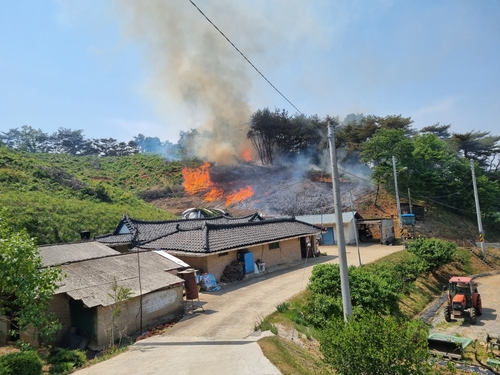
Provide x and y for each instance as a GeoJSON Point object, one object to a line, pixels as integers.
{"type": "Point", "coordinates": [241, 195]}
{"type": "Point", "coordinates": [197, 180]}
{"type": "Point", "coordinates": [246, 156]}
{"type": "Point", "coordinates": [213, 195]}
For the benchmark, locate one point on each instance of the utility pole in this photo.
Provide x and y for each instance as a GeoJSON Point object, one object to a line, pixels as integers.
{"type": "Point", "coordinates": [397, 197]}
{"type": "Point", "coordinates": [478, 210]}
{"type": "Point", "coordinates": [355, 227]}
{"type": "Point", "coordinates": [344, 275]}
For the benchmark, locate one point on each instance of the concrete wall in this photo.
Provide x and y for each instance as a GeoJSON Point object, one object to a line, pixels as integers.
{"type": "Point", "coordinates": [288, 251]}
{"type": "Point", "coordinates": [348, 232]}
{"type": "Point", "coordinates": [198, 263]}
{"type": "Point", "coordinates": [217, 263]}
{"type": "Point", "coordinates": [157, 307]}
{"type": "Point", "coordinates": [60, 307]}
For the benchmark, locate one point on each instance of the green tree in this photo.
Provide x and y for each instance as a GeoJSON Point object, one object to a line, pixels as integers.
{"type": "Point", "coordinates": [26, 288]}
{"type": "Point", "coordinates": [430, 168]}
{"type": "Point", "coordinates": [370, 291]}
{"type": "Point", "coordinates": [71, 142]}
{"type": "Point", "coordinates": [266, 127]}
{"type": "Point", "coordinates": [376, 345]}
{"type": "Point", "coordinates": [432, 252]}
{"type": "Point", "coordinates": [379, 150]}
{"type": "Point", "coordinates": [120, 295]}
{"type": "Point", "coordinates": [440, 131]}
{"type": "Point", "coordinates": [480, 146]}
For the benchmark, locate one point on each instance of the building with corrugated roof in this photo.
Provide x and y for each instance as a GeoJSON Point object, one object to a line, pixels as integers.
{"type": "Point", "coordinates": [84, 301]}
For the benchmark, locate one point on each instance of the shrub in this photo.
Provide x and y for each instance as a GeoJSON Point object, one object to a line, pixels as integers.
{"type": "Point", "coordinates": [369, 290]}
{"type": "Point", "coordinates": [21, 363]}
{"type": "Point", "coordinates": [325, 279]}
{"type": "Point", "coordinates": [376, 344]}
{"type": "Point", "coordinates": [61, 368]}
{"type": "Point", "coordinates": [321, 308]}
{"type": "Point", "coordinates": [283, 307]}
{"type": "Point", "coordinates": [432, 252]}
{"type": "Point", "coordinates": [77, 358]}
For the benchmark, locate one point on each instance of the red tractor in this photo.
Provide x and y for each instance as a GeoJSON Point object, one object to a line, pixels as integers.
{"type": "Point", "coordinates": [462, 298]}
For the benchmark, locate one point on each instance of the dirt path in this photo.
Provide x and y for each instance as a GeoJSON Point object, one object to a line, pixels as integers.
{"type": "Point", "coordinates": [489, 289]}
{"type": "Point", "coordinates": [222, 340]}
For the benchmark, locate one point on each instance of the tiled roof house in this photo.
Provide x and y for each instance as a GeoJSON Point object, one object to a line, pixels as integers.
{"type": "Point", "coordinates": [210, 244]}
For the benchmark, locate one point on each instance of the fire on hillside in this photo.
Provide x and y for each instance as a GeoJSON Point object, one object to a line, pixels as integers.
{"type": "Point", "coordinates": [198, 181]}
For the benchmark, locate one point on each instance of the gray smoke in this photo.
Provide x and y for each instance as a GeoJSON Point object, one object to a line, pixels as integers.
{"type": "Point", "coordinates": [197, 69]}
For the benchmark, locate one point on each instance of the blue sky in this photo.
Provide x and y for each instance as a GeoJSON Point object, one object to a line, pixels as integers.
{"type": "Point", "coordinates": [120, 68]}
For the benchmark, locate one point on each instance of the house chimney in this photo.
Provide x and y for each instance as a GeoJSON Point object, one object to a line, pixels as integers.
{"type": "Point", "coordinates": [85, 235]}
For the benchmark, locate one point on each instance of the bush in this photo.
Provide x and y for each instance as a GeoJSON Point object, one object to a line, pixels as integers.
{"type": "Point", "coordinates": [321, 308]}
{"type": "Point", "coordinates": [432, 252]}
{"type": "Point", "coordinates": [283, 307]}
{"type": "Point", "coordinates": [64, 360]}
{"type": "Point", "coordinates": [376, 344]}
{"type": "Point", "coordinates": [21, 363]}
{"type": "Point", "coordinates": [61, 368]}
{"type": "Point", "coordinates": [370, 290]}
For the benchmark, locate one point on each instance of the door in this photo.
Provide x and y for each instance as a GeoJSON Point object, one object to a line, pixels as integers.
{"type": "Point", "coordinates": [328, 237]}
{"type": "Point", "coordinates": [83, 318]}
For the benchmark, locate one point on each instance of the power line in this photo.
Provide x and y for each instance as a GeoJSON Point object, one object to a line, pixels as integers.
{"type": "Point", "coordinates": [241, 53]}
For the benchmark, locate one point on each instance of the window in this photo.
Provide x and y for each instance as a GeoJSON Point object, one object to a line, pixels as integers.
{"type": "Point", "coordinates": [274, 245]}
{"type": "Point", "coordinates": [223, 254]}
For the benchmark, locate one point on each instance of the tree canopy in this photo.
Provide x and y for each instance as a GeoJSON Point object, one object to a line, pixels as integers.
{"type": "Point", "coordinates": [25, 286]}
{"type": "Point", "coordinates": [376, 344]}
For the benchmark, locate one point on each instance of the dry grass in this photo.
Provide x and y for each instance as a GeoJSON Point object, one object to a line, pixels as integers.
{"type": "Point", "coordinates": [292, 359]}
{"type": "Point", "coordinates": [8, 349]}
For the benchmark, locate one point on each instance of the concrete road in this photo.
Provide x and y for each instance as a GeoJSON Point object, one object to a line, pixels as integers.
{"type": "Point", "coordinates": [221, 340]}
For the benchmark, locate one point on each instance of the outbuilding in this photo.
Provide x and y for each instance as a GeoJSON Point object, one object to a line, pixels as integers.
{"type": "Point", "coordinates": [328, 224]}
{"type": "Point", "coordinates": [86, 298]}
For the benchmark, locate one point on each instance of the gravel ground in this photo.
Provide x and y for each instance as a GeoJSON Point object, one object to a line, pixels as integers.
{"type": "Point", "coordinates": [489, 289]}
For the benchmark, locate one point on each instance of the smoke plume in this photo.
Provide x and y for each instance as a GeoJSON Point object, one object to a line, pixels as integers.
{"type": "Point", "coordinates": [197, 69]}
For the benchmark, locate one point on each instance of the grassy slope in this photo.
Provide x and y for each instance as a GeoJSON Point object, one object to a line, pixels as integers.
{"type": "Point", "coordinates": [54, 196]}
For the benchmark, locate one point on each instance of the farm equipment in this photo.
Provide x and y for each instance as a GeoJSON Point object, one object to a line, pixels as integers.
{"type": "Point", "coordinates": [463, 299]}
{"type": "Point", "coordinates": [447, 346]}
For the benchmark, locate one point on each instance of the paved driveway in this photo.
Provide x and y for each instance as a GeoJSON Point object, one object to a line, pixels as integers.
{"type": "Point", "coordinates": [222, 340]}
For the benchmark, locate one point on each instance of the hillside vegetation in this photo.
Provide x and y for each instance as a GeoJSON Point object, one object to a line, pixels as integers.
{"type": "Point", "coordinates": [55, 196]}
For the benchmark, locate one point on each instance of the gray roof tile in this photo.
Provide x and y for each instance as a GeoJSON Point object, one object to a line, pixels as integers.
{"type": "Point", "coordinates": [209, 235]}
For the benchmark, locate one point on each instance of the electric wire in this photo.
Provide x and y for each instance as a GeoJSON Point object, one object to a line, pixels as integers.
{"type": "Point", "coordinates": [241, 53]}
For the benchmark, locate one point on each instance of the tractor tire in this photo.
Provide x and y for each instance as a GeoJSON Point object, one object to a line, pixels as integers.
{"type": "Point", "coordinates": [479, 307]}
{"type": "Point", "coordinates": [447, 313]}
{"type": "Point", "coordinates": [472, 315]}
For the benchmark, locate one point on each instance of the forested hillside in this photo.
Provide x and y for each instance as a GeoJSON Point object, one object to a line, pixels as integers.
{"type": "Point", "coordinates": [55, 196]}
{"type": "Point", "coordinates": [55, 186]}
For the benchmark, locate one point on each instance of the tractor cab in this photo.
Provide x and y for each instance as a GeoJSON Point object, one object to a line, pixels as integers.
{"type": "Point", "coordinates": [462, 297]}
{"type": "Point", "coordinates": [460, 294]}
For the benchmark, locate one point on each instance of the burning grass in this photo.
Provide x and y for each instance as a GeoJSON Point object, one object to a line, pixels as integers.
{"type": "Point", "coordinates": [198, 181]}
